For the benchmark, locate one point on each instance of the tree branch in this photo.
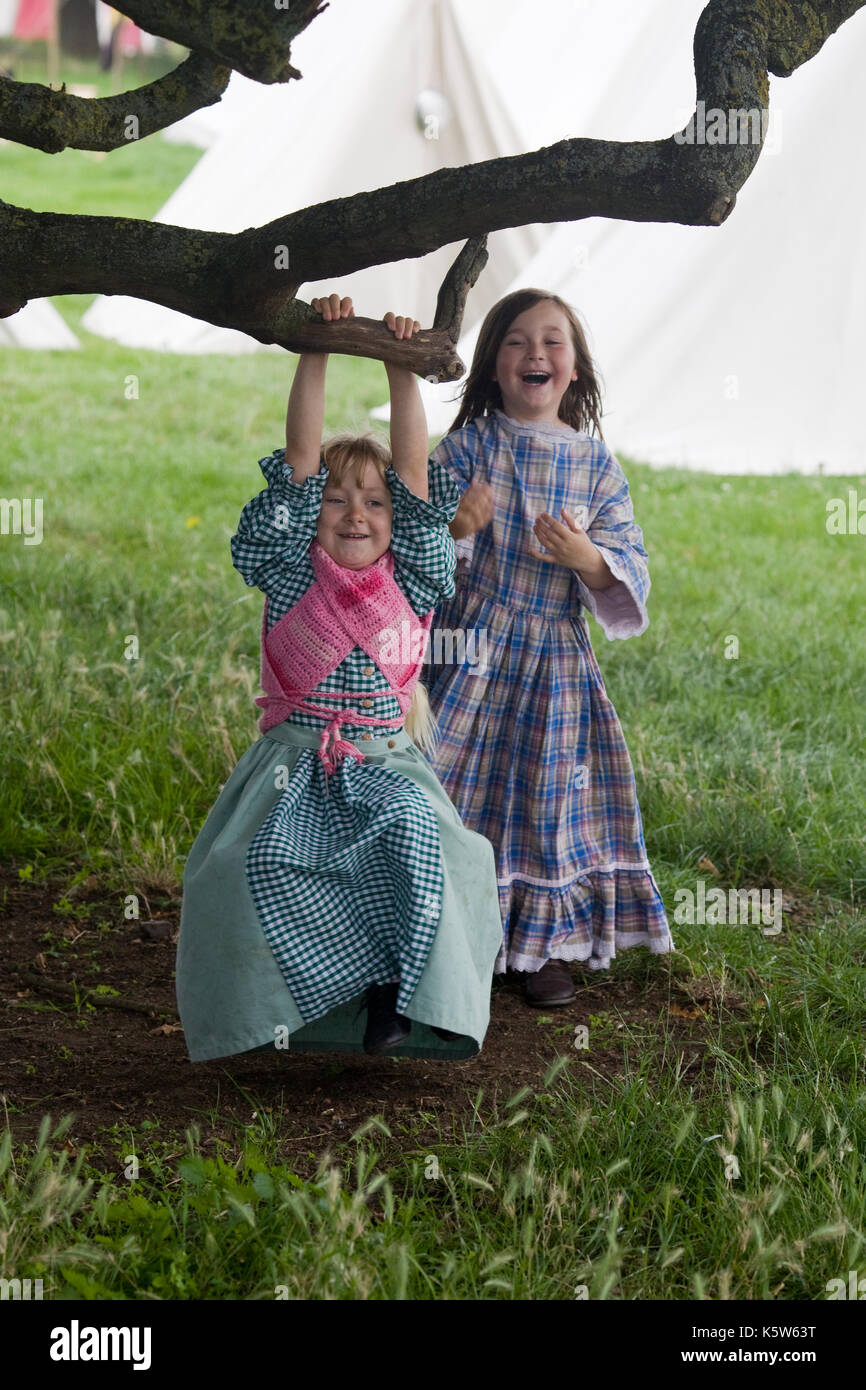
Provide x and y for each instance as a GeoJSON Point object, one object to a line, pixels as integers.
{"type": "Point", "coordinates": [736, 43]}
{"type": "Point", "coordinates": [431, 353]}
{"type": "Point", "coordinates": [243, 281]}
{"type": "Point", "coordinates": [451, 301]}
{"type": "Point", "coordinates": [52, 121]}
{"type": "Point", "coordinates": [256, 42]}
{"type": "Point", "coordinates": [34, 979]}
{"type": "Point", "coordinates": [254, 36]}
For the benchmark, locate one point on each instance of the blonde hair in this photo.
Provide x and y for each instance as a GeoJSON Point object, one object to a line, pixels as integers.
{"type": "Point", "coordinates": [420, 723]}
{"type": "Point", "coordinates": [341, 451]}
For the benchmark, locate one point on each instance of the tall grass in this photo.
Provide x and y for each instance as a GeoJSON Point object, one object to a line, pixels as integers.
{"type": "Point", "coordinates": [641, 1191]}
{"type": "Point", "coordinates": [754, 762]}
{"type": "Point", "coordinates": [615, 1181]}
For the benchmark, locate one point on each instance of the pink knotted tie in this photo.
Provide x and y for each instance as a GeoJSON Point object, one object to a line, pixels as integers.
{"type": "Point", "coordinates": [332, 748]}
{"type": "Point", "coordinates": [341, 610]}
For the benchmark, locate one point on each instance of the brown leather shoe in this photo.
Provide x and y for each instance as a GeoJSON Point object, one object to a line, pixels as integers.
{"type": "Point", "coordinates": [550, 986]}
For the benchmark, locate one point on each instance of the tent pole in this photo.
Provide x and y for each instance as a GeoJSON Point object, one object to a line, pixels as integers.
{"type": "Point", "coordinates": [53, 44]}
{"type": "Point", "coordinates": [117, 60]}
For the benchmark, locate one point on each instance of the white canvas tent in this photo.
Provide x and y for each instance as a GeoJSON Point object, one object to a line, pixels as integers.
{"type": "Point", "coordinates": [729, 348]}
{"type": "Point", "coordinates": [352, 123]}
{"type": "Point", "coordinates": [8, 16]}
{"type": "Point", "coordinates": [732, 349]}
{"type": "Point", "coordinates": [37, 325]}
{"type": "Point", "coordinates": [204, 127]}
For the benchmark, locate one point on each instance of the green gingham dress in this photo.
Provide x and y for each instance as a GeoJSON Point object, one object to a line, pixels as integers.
{"type": "Point", "coordinates": [302, 889]}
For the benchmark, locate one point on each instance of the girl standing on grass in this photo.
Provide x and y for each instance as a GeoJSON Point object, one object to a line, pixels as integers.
{"type": "Point", "coordinates": [333, 874]}
{"type": "Point", "coordinates": [532, 753]}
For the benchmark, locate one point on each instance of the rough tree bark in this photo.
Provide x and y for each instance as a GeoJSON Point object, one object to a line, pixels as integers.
{"type": "Point", "coordinates": [250, 280]}
{"type": "Point", "coordinates": [53, 121]}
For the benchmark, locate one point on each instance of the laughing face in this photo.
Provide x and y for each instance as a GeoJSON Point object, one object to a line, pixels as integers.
{"type": "Point", "coordinates": [355, 521]}
{"type": "Point", "coordinates": [535, 364]}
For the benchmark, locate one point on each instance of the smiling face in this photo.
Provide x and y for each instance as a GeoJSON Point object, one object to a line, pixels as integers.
{"type": "Point", "coordinates": [535, 363]}
{"type": "Point", "coordinates": [355, 520]}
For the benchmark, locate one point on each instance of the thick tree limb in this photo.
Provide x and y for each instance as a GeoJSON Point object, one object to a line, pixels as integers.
{"type": "Point", "coordinates": [255, 41]}
{"type": "Point", "coordinates": [792, 32]}
{"type": "Point", "coordinates": [736, 43]}
{"type": "Point", "coordinates": [432, 352]}
{"type": "Point", "coordinates": [52, 121]}
{"type": "Point", "coordinates": [235, 280]}
{"type": "Point", "coordinates": [252, 36]}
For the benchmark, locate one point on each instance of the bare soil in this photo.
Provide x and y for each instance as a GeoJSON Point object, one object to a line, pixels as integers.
{"type": "Point", "coordinates": [116, 1060]}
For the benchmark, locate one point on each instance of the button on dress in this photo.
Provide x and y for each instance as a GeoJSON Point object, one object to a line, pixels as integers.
{"type": "Point", "coordinates": [302, 889]}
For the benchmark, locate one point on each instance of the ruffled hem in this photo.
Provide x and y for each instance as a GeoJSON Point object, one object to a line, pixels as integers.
{"type": "Point", "coordinates": [589, 919]}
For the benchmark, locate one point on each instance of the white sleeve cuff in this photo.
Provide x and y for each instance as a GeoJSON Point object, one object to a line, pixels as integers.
{"type": "Point", "coordinates": [617, 609]}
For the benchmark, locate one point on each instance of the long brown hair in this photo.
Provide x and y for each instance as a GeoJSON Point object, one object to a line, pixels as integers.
{"type": "Point", "coordinates": [580, 406]}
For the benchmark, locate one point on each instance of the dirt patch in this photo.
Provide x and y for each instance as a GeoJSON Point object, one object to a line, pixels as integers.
{"type": "Point", "coordinates": [88, 1026]}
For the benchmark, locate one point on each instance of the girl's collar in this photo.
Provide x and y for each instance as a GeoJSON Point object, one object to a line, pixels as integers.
{"type": "Point", "coordinates": [559, 430]}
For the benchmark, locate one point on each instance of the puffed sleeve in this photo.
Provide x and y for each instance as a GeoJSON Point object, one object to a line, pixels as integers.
{"type": "Point", "coordinates": [457, 452]}
{"type": "Point", "coordinates": [277, 527]}
{"type": "Point", "coordinates": [421, 543]}
{"type": "Point", "coordinates": [620, 609]}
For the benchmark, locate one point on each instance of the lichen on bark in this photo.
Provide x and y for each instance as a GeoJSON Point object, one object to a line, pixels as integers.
{"type": "Point", "coordinates": [232, 281]}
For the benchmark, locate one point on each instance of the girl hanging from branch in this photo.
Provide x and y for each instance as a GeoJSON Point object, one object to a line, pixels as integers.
{"type": "Point", "coordinates": [333, 899]}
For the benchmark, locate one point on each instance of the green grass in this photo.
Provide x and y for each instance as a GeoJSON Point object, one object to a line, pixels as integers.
{"type": "Point", "coordinates": [754, 762]}
{"type": "Point", "coordinates": [128, 182]}
{"type": "Point", "coordinates": [110, 765]}
{"type": "Point", "coordinates": [630, 1190]}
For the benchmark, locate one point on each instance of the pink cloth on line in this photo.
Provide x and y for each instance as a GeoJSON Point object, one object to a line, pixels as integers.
{"type": "Point", "coordinates": [341, 610]}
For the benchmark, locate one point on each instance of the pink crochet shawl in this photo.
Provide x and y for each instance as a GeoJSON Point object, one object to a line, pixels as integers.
{"type": "Point", "coordinates": [341, 610]}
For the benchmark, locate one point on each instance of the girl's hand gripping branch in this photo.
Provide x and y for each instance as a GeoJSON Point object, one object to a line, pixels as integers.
{"type": "Point", "coordinates": [409, 437]}
{"type": "Point", "coordinates": [305, 416]}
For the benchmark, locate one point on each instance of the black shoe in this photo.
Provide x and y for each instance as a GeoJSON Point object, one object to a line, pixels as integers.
{"type": "Point", "coordinates": [550, 987]}
{"type": "Point", "coordinates": [385, 1027]}
{"type": "Point", "coordinates": [444, 1034]}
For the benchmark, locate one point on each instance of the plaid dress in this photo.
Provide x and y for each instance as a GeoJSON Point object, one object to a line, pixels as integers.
{"type": "Point", "coordinates": [532, 753]}
{"type": "Point", "coordinates": [299, 892]}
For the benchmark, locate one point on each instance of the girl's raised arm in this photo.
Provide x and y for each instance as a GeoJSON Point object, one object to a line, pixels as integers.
{"type": "Point", "coordinates": [410, 445]}
{"type": "Point", "coordinates": [305, 415]}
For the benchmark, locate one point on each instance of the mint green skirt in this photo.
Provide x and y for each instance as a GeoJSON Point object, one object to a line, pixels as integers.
{"type": "Point", "coordinates": [231, 993]}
